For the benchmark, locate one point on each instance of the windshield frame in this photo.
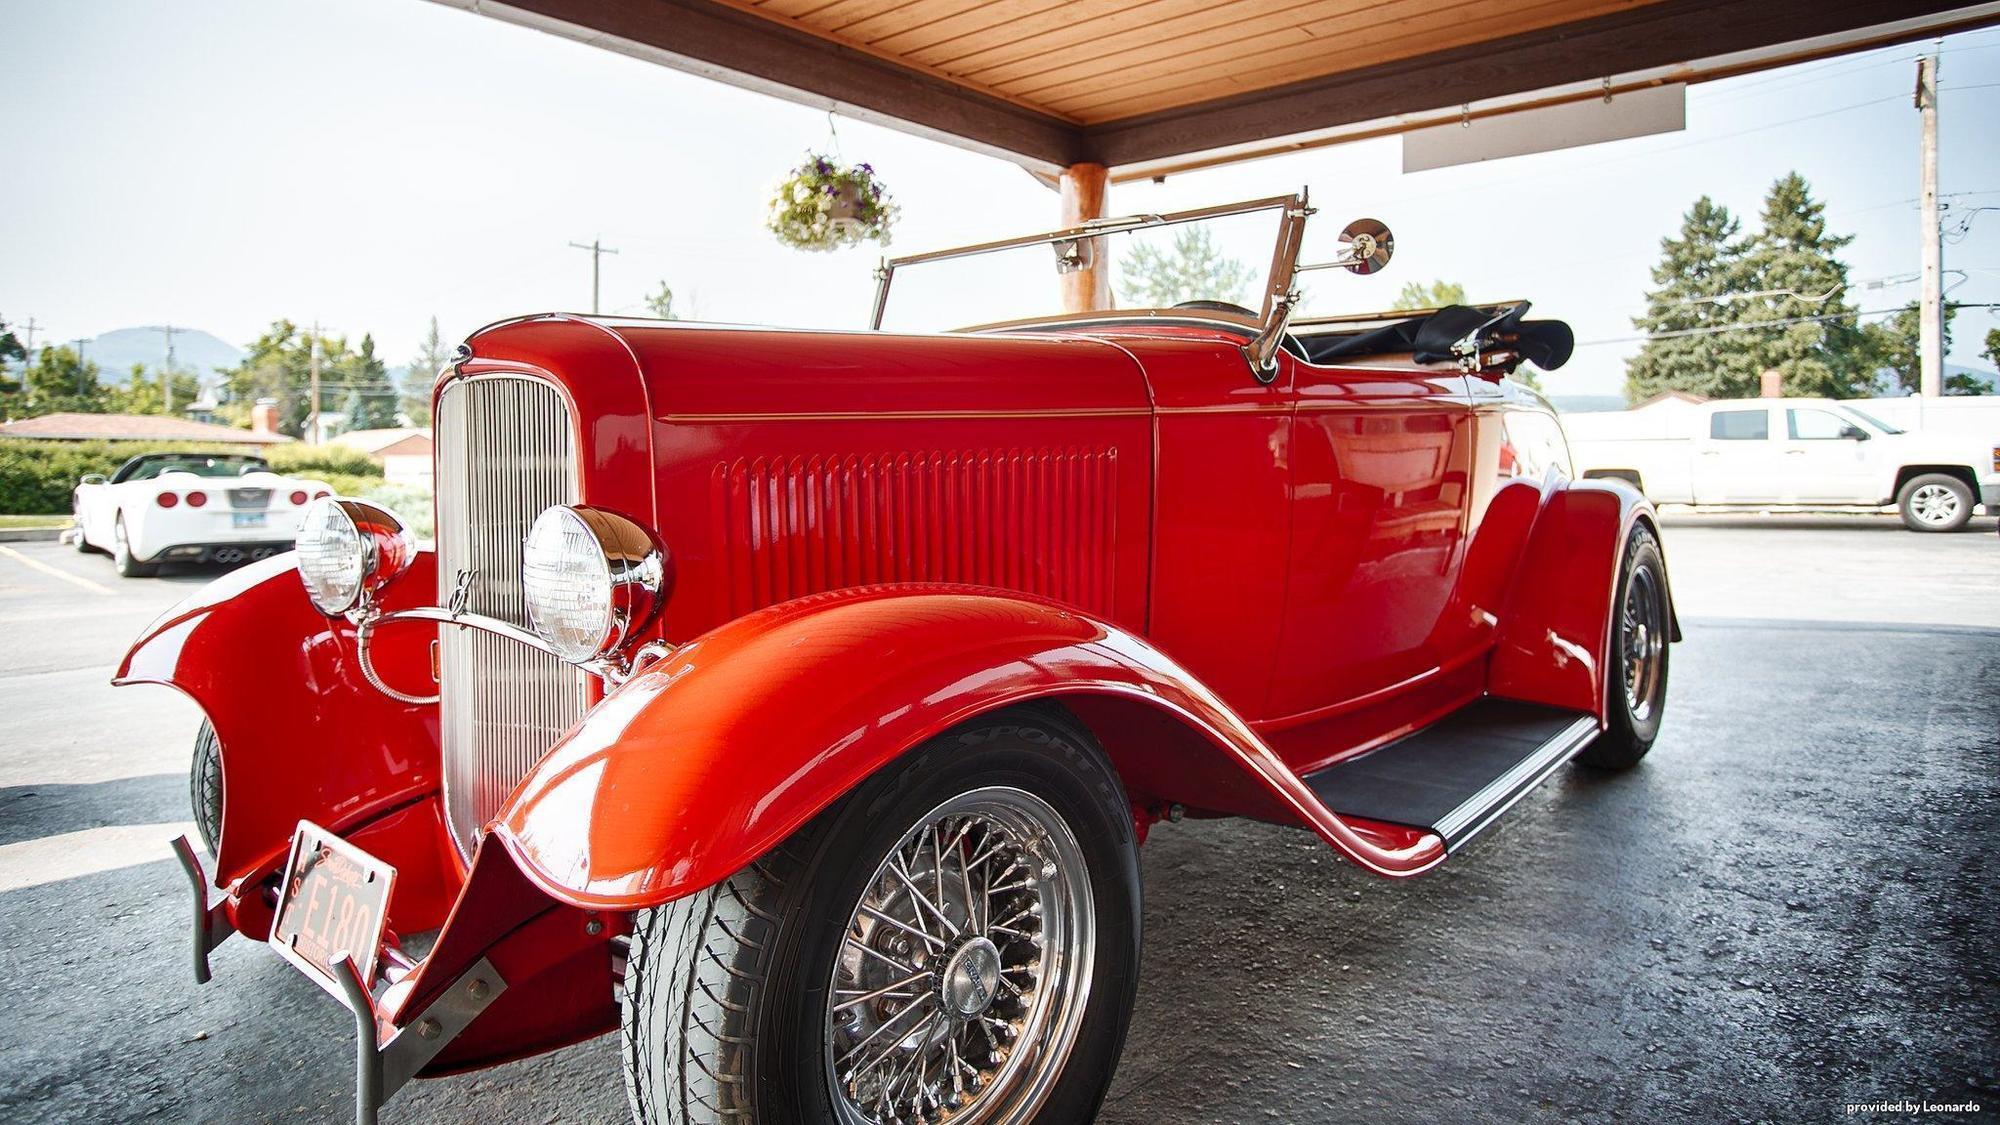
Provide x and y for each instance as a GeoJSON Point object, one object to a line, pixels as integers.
{"type": "Point", "coordinates": [1284, 256]}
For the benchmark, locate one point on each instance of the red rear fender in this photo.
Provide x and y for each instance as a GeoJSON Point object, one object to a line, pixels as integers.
{"type": "Point", "coordinates": [1557, 626]}
{"type": "Point", "coordinates": [716, 754]}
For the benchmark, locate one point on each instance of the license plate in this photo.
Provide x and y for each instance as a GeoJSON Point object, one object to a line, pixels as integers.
{"type": "Point", "coordinates": [335, 899]}
{"type": "Point", "coordinates": [246, 519]}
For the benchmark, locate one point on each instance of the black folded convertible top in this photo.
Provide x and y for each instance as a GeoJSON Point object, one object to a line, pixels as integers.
{"type": "Point", "coordinates": [1429, 334]}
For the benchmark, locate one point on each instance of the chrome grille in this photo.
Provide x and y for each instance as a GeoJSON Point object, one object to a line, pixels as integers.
{"type": "Point", "coordinates": [504, 455]}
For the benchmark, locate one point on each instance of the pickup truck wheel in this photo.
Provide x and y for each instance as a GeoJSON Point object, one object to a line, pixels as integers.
{"type": "Point", "coordinates": [121, 554]}
{"type": "Point", "coordinates": [958, 938]}
{"type": "Point", "coordinates": [1935, 502]}
{"type": "Point", "coordinates": [1635, 686]}
{"type": "Point", "coordinates": [205, 786]}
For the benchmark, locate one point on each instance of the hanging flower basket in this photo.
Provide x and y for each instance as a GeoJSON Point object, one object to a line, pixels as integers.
{"type": "Point", "coordinates": [823, 205]}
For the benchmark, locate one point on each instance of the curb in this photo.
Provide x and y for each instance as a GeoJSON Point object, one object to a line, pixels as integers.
{"type": "Point", "coordinates": [30, 534]}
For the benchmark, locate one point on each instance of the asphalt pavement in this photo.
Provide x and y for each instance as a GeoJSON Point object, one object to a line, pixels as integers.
{"type": "Point", "coordinates": [1788, 907]}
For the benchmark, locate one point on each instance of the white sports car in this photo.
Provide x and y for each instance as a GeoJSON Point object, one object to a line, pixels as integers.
{"type": "Point", "coordinates": [190, 507]}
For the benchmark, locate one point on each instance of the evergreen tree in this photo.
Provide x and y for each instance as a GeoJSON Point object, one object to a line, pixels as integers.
{"type": "Point", "coordinates": [1436, 295]}
{"type": "Point", "coordinates": [432, 355]}
{"type": "Point", "coordinates": [1992, 352]}
{"type": "Point", "coordinates": [372, 398]}
{"type": "Point", "coordinates": [1192, 270]}
{"type": "Point", "coordinates": [1689, 312]}
{"type": "Point", "coordinates": [11, 351]}
{"type": "Point", "coordinates": [1792, 262]}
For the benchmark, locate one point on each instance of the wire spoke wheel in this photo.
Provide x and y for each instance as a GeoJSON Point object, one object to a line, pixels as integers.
{"type": "Point", "coordinates": [964, 971]}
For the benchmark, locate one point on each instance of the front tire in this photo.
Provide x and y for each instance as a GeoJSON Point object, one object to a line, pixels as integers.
{"type": "Point", "coordinates": [205, 786]}
{"type": "Point", "coordinates": [1635, 682]}
{"type": "Point", "coordinates": [121, 553]}
{"type": "Point", "coordinates": [1934, 502]}
{"type": "Point", "coordinates": [961, 932]}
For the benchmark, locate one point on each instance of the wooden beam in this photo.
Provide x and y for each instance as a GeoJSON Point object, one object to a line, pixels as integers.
{"type": "Point", "coordinates": [716, 40]}
{"type": "Point", "coordinates": [1653, 35]}
{"type": "Point", "coordinates": [1083, 197]}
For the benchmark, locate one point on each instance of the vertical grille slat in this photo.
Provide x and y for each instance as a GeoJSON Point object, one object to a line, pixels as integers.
{"type": "Point", "coordinates": [504, 455]}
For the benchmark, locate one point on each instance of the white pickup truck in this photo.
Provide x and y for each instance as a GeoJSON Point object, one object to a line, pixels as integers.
{"type": "Point", "coordinates": [1800, 453]}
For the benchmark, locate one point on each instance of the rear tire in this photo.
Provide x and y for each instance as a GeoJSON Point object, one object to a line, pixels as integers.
{"type": "Point", "coordinates": [205, 786]}
{"type": "Point", "coordinates": [1635, 676]}
{"type": "Point", "coordinates": [729, 1012]}
{"type": "Point", "coordinates": [121, 554]}
{"type": "Point", "coordinates": [1934, 502]}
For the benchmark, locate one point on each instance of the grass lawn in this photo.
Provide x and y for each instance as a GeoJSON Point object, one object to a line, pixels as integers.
{"type": "Point", "coordinates": [10, 522]}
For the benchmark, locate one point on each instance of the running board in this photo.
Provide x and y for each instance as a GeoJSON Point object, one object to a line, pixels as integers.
{"type": "Point", "coordinates": [1459, 774]}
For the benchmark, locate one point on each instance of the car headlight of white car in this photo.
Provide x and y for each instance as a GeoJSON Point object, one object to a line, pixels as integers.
{"type": "Point", "coordinates": [592, 579]}
{"type": "Point", "coordinates": [348, 550]}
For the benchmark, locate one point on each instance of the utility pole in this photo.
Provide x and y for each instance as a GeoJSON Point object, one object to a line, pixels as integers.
{"type": "Point", "coordinates": [312, 365]}
{"type": "Point", "coordinates": [597, 251]}
{"type": "Point", "coordinates": [167, 377]}
{"type": "Point", "coordinates": [1930, 325]}
{"type": "Point", "coordinates": [28, 357]}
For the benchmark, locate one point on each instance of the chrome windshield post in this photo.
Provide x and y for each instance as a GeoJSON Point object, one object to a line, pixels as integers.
{"type": "Point", "coordinates": [1283, 295]}
{"type": "Point", "coordinates": [884, 271]}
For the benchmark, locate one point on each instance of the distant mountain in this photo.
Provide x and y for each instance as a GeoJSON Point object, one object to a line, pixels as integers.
{"type": "Point", "coordinates": [195, 352]}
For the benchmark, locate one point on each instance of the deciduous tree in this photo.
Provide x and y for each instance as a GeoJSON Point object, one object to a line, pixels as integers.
{"type": "Point", "coordinates": [1192, 269]}
{"type": "Point", "coordinates": [1436, 295]}
{"type": "Point", "coordinates": [58, 380]}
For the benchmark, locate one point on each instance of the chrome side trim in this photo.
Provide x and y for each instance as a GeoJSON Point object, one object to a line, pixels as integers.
{"type": "Point", "coordinates": [1461, 824]}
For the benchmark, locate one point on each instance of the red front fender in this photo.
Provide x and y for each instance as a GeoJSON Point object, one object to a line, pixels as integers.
{"type": "Point", "coordinates": [716, 754]}
{"type": "Point", "coordinates": [303, 736]}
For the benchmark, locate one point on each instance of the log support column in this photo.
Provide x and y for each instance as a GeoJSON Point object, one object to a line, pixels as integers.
{"type": "Point", "coordinates": [1083, 191]}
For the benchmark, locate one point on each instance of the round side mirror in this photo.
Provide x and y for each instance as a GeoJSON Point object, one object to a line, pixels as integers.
{"type": "Point", "coordinates": [1367, 245]}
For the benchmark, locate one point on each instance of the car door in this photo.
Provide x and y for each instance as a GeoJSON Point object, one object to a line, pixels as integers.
{"type": "Point", "coordinates": [1826, 458]}
{"type": "Point", "coordinates": [1737, 461]}
{"type": "Point", "coordinates": [1380, 463]}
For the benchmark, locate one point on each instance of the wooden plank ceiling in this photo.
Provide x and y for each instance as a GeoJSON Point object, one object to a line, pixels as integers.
{"type": "Point", "coordinates": [1146, 86]}
{"type": "Point", "coordinates": [1090, 61]}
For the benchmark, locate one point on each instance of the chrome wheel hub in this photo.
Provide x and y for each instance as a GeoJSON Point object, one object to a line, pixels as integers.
{"type": "Point", "coordinates": [1643, 623]}
{"type": "Point", "coordinates": [971, 978]}
{"type": "Point", "coordinates": [1934, 504]}
{"type": "Point", "coordinates": [964, 970]}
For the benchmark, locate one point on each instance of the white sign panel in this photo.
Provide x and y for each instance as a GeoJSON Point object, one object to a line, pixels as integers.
{"type": "Point", "coordinates": [1635, 113]}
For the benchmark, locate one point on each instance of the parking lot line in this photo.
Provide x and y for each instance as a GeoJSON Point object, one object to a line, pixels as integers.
{"type": "Point", "coordinates": [31, 863]}
{"type": "Point", "coordinates": [72, 579]}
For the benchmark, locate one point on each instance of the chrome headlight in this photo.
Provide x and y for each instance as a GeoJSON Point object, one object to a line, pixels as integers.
{"type": "Point", "coordinates": [348, 549]}
{"type": "Point", "coordinates": [592, 580]}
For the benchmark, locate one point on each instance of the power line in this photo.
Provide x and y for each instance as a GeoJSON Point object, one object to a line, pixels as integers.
{"type": "Point", "coordinates": [1719, 329]}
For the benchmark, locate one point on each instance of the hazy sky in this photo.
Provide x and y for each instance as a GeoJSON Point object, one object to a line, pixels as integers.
{"type": "Point", "coordinates": [370, 163]}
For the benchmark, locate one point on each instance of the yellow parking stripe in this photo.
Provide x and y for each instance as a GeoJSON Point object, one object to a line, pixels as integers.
{"type": "Point", "coordinates": [72, 579]}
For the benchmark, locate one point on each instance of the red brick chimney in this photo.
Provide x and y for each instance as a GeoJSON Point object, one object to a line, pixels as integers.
{"type": "Point", "coordinates": [264, 416]}
{"type": "Point", "coordinates": [1771, 384]}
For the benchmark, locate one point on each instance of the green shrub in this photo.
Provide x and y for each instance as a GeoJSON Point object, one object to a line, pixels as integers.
{"type": "Point", "coordinates": [319, 460]}
{"type": "Point", "coordinates": [37, 477]}
{"type": "Point", "coordinates": [413, 505]}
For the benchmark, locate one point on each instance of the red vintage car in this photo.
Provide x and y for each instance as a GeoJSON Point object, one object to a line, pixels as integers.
{"type": "Point", "coordinates": [794, 703]}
